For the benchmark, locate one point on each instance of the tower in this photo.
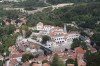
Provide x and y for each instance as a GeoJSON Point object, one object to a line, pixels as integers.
{"type": "Point", "coordinates": [65, 26]}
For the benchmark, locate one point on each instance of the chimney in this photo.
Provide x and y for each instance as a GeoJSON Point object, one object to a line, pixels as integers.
{"type": "Point", "coordinates": [65, 25]}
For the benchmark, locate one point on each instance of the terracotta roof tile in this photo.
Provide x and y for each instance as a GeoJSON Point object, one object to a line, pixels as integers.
{"type": "Point", "coordinates": [46, 64]}
{"type": "Point", "coordinates": [13, 62]}
{"type": "Point", "coordinates": [74, 55]}
{"type": "Point", "coordinates": [80, 50]}
{"type": "Point", "coordinates": [69, 52]}
{"type": "Point", "coordinates": [35, 65]}
{"type": "Point", "coordinates": [93, 49]}
{"type": "Point", "coordinates": [26, 64]}
{"type": "Point", "coordinates": [14, 55]}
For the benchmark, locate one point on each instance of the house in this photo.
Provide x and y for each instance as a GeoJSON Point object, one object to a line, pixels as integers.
{"type": "Point", "coordinates": [39, 26]}
{"type": "Point", "coordinates": [80, 52]}
{"type": "Point", "coordinates": [93, 50]}
{"type": "Point", "coordinates": [1, 57]}
{"type": "Point", "coordinates": [13, 62]}
{"type": "Point", "coordinates": [0, 43]}
{"type": "Point", "coordinates": [19, 24]}
{"type": "Point", "coordinates": [69, 54]}
{"type": "Point", "coordinates": [81, 62]}
{"type": "Point", "coordinates": [70, 64]}
{"type": "Point", "coordinates": [39, 38]}
{"type": "Point", "coordinates": [86, 39]}
{"type": "Point", "coordinates": [13, 22]}
{"type": "Point", "coordinates": [15, 56]}
{"type": "Point", "coordinates": [36, 64]}
{"type": "Point", "coordinates": [45, 29]}
{"type": "Point", "coordinates": [46, 64]}
{"type": "Point", "coordinates": [13, 50]}
{"type": "Point", "coordinates": [17, 31]}
{"type": "Point", "coordinates": [26, 64]}
{"type": "Point", "coordinates": [60, 53]}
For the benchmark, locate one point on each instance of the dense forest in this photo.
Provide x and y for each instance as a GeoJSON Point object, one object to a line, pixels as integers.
{"type": "Point", "coordinates": [85, 15]}
{"type": "Point", "coordinates": [68, 1]}
{"type": "Point", "coordinates": [30, 3]}
{"type": "Point", "coordinates": [42, 3]}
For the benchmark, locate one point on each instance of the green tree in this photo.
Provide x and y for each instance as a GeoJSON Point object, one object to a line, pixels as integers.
{"type": "Point", "coordinates": [17, 21]}
{"type": "Point", "coordinates": [45, 38]}
{"type": "Point", "coordinates": [45, 61]}
{"type": "Point", "coordinates": [93, 59]}
{"type": "Point", "coordinates": [61, 63]}
{"type": "Point", "coordinates": [66, 50]}
{"type": "Point", "coordinates": [28, 33]}
{"type": "Point", "coordinates": [96, 38]}
{"type": "Point", "coordinates": [77, 43]}
{"type": "Point", "coordinates": [26, 57]}
{"type": "Point", "coordinates": [34, 37]}
{"type": "Point", "coordinates": [76, 63]}
{"type": "Point", "coordinates": [84, 34]}
{"type": "Point", "coordinates": [24, 27]}
{"type": "Point", "coordinates": [56, 61]}
{"type": "Point", "coordinates": [31, 3]}
{"type": "Point", "coordinates": [1, 63]}
{"type": "Point", "coordinates": [36, 31]}
{"type": "Point", "coordinates": [69, 61]}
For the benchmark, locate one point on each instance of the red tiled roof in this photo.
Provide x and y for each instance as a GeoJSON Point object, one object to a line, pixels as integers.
{"type": "Point", "coordinates": [69, 52]}
{"type": "Point", "coordinates": [24, 53]}
{"type": "Point", "coordinates": [74, 55]}
{"type": "Point", "coordinates": [80, 50]}
{"type": "Point", "coordinates": [14, 55]}
{"type": "Point", "coordinates": [12, 62]}
{"type": "Point", "coordinates": [46, 64]}
{"type": "Point", "coordinates": [12, 47]}
{"type": "Point", "coordinates": [73, 33]}
{"type": "Point", "coordinates": [26, 64]}
{"type": "Point", "coordinates": [35, 65]}
{"type": "Point", "coordinates": [93, 49]}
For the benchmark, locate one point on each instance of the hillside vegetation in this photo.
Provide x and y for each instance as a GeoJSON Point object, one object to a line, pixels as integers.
{"type": "Point", "coordinates": [86, 15]}
{"type": "Point", "coordinates": [42, 3]}
{"type": "Point", "coordinates": [30, 3]}
{"type": "Point", "coordinates": [67, 1]}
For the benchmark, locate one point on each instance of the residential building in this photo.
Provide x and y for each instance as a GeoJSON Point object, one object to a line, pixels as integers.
{"type": "Point", "coordinates": [93, 50]}
{"type": "Point", "coordinates": [80, 52]}
{"type": "Point", "coordinates": [13, 62]}
{"type": "Point", "coordinates": [41, 27]}
{"type": "Point", "coordinates": [26, 64]}
{"type": "Point", "coordinates": [1, 57]}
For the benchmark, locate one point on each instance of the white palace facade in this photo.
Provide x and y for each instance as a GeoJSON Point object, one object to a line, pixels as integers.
{"type": "Point", "coordinates": [58, 35]}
